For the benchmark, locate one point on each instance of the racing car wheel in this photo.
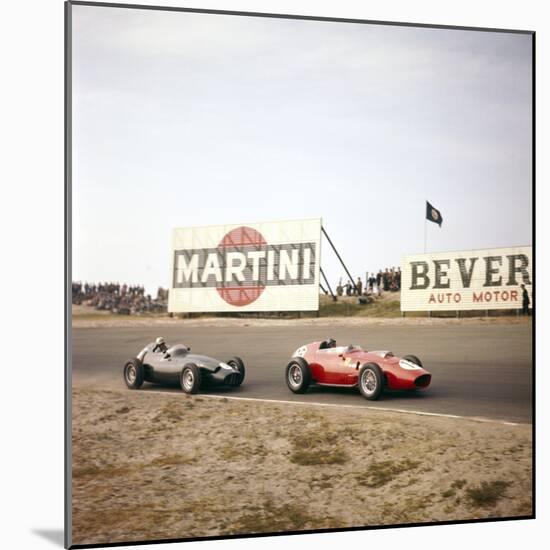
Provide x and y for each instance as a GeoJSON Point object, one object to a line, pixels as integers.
{"type": "Point", "coordinates": [371, 381]}
{"type": "Point", "coordinates": [133, 374]}
{"type": "Point", "coordinates": [413, 359]}
{"type": "Point", "coordinates": [298, 376]}
{"type": "Point", "coordinates": [190, 378]}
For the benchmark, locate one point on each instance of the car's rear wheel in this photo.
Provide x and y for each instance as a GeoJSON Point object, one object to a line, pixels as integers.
{"type": "Point", "coordinates": [133, 374]}
{"type": "Point", "coordinates": [236, 379]}
{"type": "Point", "coordinates": [190, 378]}
{"type": "Point", "coordinates": [371, 381]}
{"type": "Point", "coordinates": [298, 376]}
{"type": "Point", "coordinates": [413, 359]}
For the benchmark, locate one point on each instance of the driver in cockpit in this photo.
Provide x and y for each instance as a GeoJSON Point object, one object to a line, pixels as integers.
{"type": "Point", "coordinates": [328, 343]}
{"type": "Point", "coordinates": [160, 345]}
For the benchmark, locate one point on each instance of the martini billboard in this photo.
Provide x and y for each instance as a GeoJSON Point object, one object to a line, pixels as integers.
{"type": "Point", "coordinates": [267, 266]}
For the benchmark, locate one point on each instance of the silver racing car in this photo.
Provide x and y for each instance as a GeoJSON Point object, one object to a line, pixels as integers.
{"type": "Point", "coordinates": [162, 364]}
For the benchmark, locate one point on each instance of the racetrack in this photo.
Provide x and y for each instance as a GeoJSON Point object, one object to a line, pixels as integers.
{"type": "Point", "coordinates": [478, 370]}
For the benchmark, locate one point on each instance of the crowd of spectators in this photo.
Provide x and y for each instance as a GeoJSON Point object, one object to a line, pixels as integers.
{"type": "Point", "coordinates": [388, 280]}
{"type": "Point", "coordinates": [124, 299]}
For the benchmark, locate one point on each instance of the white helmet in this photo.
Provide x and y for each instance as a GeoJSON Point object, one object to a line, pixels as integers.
{"type": "Point", "coordinates": [159, 341]}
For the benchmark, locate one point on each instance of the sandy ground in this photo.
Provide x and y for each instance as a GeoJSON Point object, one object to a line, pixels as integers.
{"type": "Point", "coordinates": [166, 465]}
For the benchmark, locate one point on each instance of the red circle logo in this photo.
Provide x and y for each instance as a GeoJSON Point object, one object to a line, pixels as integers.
{"type": "Point", "coordinates": [244, 292]}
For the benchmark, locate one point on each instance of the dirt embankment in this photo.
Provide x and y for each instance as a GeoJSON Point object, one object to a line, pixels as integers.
{"type": "Point", "coordinates": [92, 319]}
{"type": "Point", "coordinates": [155, 466]}
{"type": "Point", "coordinates": [384, 310]}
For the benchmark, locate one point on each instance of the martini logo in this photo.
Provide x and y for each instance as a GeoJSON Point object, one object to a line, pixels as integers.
{"type": "Point", "coordinates": [243, 265]}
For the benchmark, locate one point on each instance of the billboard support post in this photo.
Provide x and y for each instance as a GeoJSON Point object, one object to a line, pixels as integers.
{"type": "Point", "coordinates": [327, 283]}
{"type": "Point", "coordinates": [339, 258]}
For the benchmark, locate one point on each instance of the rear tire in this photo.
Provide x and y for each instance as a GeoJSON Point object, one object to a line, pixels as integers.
{"type": "Point", "coordinates": [133, 374]}
{"type": "Point", "coordinates": [371, 381]}
{"type": "Point", "coordinates": [190, 378]}
{"type": "Point", "coordinates": [414, 359]}
{"type": "Point", "coordinates": [297, 375]}
{"type": "Point", "coordinates": [237, 363]}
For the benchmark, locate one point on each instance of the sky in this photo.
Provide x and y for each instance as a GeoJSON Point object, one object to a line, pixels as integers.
{"type": "Point", "coordinates": [183, 119]}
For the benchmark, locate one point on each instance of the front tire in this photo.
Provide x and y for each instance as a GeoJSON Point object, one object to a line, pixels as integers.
{"type": "Point", "coordinates": [190, 378]}
{"type": "Point", "coordinates": [297, 375]}
{"type": "Point", "coordinates": [237, 363]}
{"type": "Point", "coordinates": [133, 374]}
{"type": "Point", "coordinates": [414, 359]}
{"type": "Point", "coordinates": [371, 381]}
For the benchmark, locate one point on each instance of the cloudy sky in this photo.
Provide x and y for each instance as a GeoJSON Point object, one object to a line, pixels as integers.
{"type": "Point", "coordinates": [184, 119]}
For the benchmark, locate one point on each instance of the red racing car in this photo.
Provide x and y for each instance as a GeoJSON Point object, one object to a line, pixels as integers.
{"type": "Point", "coordinates": [326, 364]}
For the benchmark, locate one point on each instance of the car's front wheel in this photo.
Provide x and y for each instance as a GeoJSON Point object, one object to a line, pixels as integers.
{"type": "Point", "coordinates": [413, 359]}
{"type": "Point", "coordinates": [190, 378]}
{"type": "Point", "coordinates": [298, 376]}
{"type": "Point", "coordinates": [133, 374]}
{"type": "Point", "coordinates": [371, 381]}
{"type": "Point", "coordinates": [236, 379]}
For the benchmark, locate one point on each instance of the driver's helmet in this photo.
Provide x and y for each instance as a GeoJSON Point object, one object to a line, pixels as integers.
{"type": "Point", "coordinates": [160, 343]}
{"type": "Point", "coordinates": [328, 343]}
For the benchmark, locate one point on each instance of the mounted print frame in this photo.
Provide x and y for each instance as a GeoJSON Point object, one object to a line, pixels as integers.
{"type": "Point", "coordinates": [300, 274]}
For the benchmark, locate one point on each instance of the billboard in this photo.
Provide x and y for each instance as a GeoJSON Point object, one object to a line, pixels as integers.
{"type": "Point", "coordinates": [468, 279]}
{"type": "Point", "coordinates": [268, 266]}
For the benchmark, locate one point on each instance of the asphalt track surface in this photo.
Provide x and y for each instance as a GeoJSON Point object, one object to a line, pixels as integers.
{"type": "Point", "coordinates": [478, 370]}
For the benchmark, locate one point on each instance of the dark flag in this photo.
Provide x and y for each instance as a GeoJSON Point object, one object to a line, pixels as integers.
{"type": "Point", "coordinates": [433, 214]}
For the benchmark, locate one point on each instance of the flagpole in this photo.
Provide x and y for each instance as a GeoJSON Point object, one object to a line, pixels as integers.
{"type": "Point", "coordinates": [425, 226]}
